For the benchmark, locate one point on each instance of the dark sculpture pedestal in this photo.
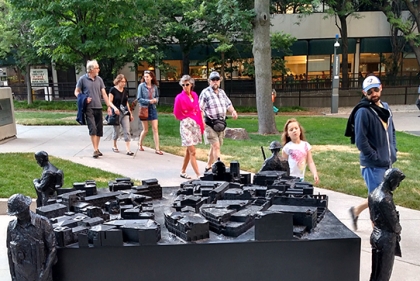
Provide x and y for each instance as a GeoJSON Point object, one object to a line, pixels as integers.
{"type": "Point", "coordinates": [330, 252]}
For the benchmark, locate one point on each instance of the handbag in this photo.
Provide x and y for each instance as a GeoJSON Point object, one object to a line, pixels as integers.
{"type": "Point", "coordinates": [144, 113]}
{"type": "Point", "coordinates": [218, 125]}
{"type": "Point", "coordinates": [124, 110]}
{"type": "Point", "coordinates": [113, 119]}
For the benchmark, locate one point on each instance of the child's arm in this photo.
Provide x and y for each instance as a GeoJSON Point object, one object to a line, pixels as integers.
{"type": "Point", "coordinates": [312, 167]}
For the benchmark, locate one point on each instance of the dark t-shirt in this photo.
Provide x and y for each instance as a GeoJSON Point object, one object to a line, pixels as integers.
{"type": "Point", "coordinates": [119, 97]}
{"type": "Point", "coordinates": [91, 88]}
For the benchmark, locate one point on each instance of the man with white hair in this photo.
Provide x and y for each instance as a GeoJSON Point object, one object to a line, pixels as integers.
{"type": "Point", "coordinates": [93, 87]}
{"type": "Point", "coordinates": [371, 127]}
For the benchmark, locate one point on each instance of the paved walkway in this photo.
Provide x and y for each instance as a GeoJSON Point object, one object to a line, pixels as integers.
{"type": "Point", "coordinates": [73, 143]}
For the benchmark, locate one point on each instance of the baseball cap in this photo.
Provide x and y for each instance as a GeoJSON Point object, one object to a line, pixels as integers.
{"type": "Point", "coordinates": [214, 74]}
{"type": "Point", "coordinates": [371, 82]}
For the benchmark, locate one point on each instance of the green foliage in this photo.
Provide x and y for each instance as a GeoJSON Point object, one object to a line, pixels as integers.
{"type": "Point", "coordinates": [71, 31]}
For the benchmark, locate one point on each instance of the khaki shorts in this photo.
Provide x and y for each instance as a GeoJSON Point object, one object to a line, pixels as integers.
{"type": "Point", "coordinates": [211, 136]}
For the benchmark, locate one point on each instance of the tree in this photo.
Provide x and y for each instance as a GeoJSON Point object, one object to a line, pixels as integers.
{"type": "Point", "coordinates": [73, 32]}
{"type": "Point", "coordinates": [182, 24]}
{"type": "Point", "coordinates": [342, 9]}
{"type": "Point", "coordinates": [17, 41]}
{"type": "Point", "coordinates": [408, 26]}
{"type": "Point", "coordinates": [262, 58]}
{"type": "Point", "coordinates": [229, 22]}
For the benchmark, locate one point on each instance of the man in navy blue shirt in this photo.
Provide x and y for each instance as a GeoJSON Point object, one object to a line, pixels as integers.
{"type": "Point", "coordinates": [372, 129]}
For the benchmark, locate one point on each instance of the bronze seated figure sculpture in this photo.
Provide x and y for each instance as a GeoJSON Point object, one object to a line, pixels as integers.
{"type": "Point", "coordinates": [51, 179]}
{"type": "Point", "coordinates": [275, 161]}
{"type": "Point", "coordinates": [386, 232]}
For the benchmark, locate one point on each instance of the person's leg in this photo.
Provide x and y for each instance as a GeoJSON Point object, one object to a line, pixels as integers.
{"type": "Point", "coordinates": [213, 139]}
{"type": "Point", "coordinates": [145, 125]}
{"type": "Point", "coordinates": [99, 128]}
{"type": "Point", "coordinates": [91, 124]}
{"type": "Point", "coordinates": [373, 178]}
{"type": "Point", "coordinates": [155, 134]}
{"type": "Point", "coordinates": [186, 161]}
{"type": "Point", "coordinates": [115, 133]}
{"type": "Point", "coordinates": [125, 124]}
{"type": "Point", "coordinates": [193, 160]}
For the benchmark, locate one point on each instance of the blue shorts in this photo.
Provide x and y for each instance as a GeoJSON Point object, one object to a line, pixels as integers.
{"type": "Point", "coordinates": [373, 177]}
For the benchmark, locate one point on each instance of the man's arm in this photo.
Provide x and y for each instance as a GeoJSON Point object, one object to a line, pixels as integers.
{"type": "Point", "coordinates": [51, 245]}
{"type": "Point", "coordinates": [9, 255]}
{"type": "Point", "coordinates": [47, 181]}
{"type": "Point", "coordinates": [77, 91]}
{"type": "Point", "coordinates": [106, 99]}
{"type": "Point", "coordinates": [361, 131]}
{"type": "Point", "coordinates": [232, 110]}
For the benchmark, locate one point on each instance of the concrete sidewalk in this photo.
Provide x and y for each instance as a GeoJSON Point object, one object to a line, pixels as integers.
{"type": "Point", "coordinates": [73, 143]}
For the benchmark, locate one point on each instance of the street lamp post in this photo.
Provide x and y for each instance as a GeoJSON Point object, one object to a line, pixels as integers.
{"type": "Point", "coordinates": [336, 78]}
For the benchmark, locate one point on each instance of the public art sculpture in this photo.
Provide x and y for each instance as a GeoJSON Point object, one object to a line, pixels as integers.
{"type": "Point", "coordinates": [386, 232]}
{"type": "Point", "coordinates": [275, 161]}
{"type": "Point", "coordinates": [31, 243]}
{"type": "Point", "coordinates": [51, 179]}
{"type": "Point", "coordinates": [225, 211]}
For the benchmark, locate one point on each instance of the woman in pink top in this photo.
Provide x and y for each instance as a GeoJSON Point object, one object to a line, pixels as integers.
{"type": "Point", "coordinates": [191, 128]}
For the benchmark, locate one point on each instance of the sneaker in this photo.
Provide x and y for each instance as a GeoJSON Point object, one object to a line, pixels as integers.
{"type": "Point", "coordinates": [100, 153]}
{"type": "Point", "coordinates": [353, 218]}
{"type": "Point", "coordinates": [96, 154]}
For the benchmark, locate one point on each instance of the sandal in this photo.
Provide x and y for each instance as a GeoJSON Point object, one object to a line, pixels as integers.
{"type": "Point", "coordinates": [115, 150]}
{"type": "Point", "coordinates": [185, 176]}
{"type": "Point", "coordinates": [141, 147]}
{"type": "Point", "coordinates": [159, 152]}
{"type": "Point", "coordinates": [130, 153]}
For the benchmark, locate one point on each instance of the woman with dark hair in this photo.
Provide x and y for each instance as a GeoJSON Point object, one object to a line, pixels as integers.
{"type": "Point", "coordinates": [148, 96]}
{"type": "Point", "coordinates": [191, 127]}
{"type": "Point", "coordinates": [118, 98]}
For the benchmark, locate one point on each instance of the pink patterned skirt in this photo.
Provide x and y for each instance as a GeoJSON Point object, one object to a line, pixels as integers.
{"type": "Point", "coordinates": [190, 132]}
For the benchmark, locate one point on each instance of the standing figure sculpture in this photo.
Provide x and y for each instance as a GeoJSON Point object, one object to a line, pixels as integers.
{"type": "Point", "coordinates": [31, 243]}
{"type": "Point", "coordinates": [51, 179]}
{"type": "Point", "coordinates": [275, 162]}
{"type": "Point", "coordinates": [386, 232]}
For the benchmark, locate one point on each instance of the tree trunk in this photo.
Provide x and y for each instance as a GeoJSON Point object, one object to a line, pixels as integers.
{"type": "Point", "coordinates": [28, 83]}
{"type": "Point", "coordinates": [262, 59]}
{"type": "Point", "coordinates": [222, 70]}
{"type": "Point", "coordinates": [344, 52]}
{"type": "Point", "coordinates": [185, 62]}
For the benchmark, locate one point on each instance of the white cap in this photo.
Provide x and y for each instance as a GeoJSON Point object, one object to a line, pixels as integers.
{"type": "Point", "coordinates": [371, 82]}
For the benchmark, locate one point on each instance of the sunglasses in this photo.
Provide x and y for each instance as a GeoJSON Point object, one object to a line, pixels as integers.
{"type": "Point", "coordinates": [147, 72]}
{"type": "Point", "coordinates": [375, 89]}
{"type": "Point", "coordinates": [185, 85]}
{"type": "Point", "coordinates": [215, 79]}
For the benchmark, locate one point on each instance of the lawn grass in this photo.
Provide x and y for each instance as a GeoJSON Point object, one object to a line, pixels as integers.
{"type": "Point", "coordinates": [19, 169]}
{"type": "Point", "coordinates": [336, 159]}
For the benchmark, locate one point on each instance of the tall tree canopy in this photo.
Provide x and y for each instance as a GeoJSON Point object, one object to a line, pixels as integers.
{"type": "Point", "coordinates": [71, 31]}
